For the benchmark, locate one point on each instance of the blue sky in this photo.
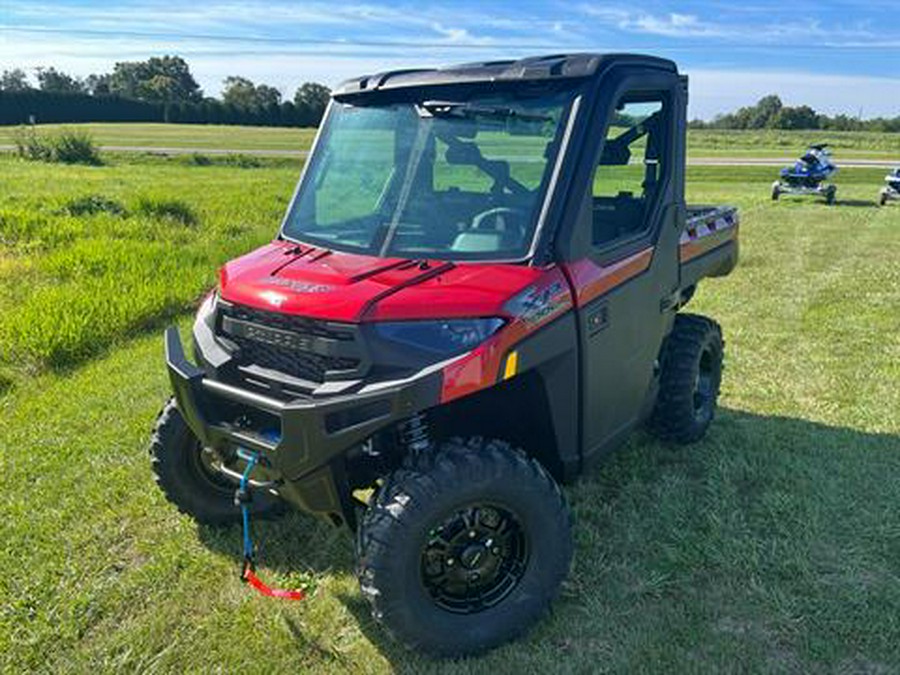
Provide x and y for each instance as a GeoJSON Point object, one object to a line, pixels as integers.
{"type": "Point", "coordinates": [837, 55]}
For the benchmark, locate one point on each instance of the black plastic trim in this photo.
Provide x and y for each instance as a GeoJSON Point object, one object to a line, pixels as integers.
{"type": "Point", "coordinates": [314, 433]}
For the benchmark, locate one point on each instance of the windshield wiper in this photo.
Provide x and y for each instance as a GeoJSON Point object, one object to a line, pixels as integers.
{"type": "Point", "coordinates": [462, 109]}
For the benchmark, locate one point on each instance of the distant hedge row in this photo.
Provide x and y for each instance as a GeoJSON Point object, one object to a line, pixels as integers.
{"type": "Point", "coordinates": [18, 107]}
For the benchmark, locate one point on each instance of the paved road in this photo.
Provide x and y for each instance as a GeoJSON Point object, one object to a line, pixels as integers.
{"type": "Point", "coordinates": [156, 150]}
{"type": "Point", "coordinates": [692, 161]}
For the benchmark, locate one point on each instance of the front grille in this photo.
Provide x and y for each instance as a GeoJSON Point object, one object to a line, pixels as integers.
{"type": "Point", "coordinates": [310, 364]}
{"type": "Point", "coordinates": [296, 324]}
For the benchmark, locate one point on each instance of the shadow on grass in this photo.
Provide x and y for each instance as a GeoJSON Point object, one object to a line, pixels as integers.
{"type": "Point", "coordinates": [644, 515]}
{"type": "Point", "coordinates": [857, 203]}
{"type": "Point", "coordinates": [294, 542]}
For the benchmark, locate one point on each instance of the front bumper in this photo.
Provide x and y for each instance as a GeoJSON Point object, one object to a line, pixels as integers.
{"type": "Point", "coordinates": [303, 440]}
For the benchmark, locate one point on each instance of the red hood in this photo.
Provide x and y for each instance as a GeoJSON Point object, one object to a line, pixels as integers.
{"type": "Point", "coordinates": [324, 284]}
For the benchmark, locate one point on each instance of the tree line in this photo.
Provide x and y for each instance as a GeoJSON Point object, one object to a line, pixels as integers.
{"type": "Point", "coordinates": [770, 113]}
{"type": "Point", "coordinates": [160, 89]}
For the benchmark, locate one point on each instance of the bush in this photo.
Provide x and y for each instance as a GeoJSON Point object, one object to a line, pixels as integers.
{"type": "Point", "coordinates": [66, 147]}
{"type": "Point", "coordinates": [75, 147]}
{"type": "Point", "coordinates": [30, 145]}
{"type": "Point", "coordinates": [168, 209]}
{"type": "Point", "coordinates": [241, 161]}
{"type": "Point", "coordinates": [92, 204]}
{"type": "Point", "coordinates": [199, 159]}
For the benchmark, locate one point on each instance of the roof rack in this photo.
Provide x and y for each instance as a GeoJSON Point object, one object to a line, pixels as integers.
{"type": "Point", "coordinates": [545, 67]}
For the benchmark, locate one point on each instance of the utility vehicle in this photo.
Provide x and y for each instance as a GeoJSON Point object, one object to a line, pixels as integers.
{"type": "Point", "coordinates": [473, 296]}
{"type": "Point", "coordinates": [808, 175]}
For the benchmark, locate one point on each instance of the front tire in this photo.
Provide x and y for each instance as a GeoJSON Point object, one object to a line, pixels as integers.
{"type": "Point", "coordinates": [465, 549]}
{"type": "Point", "coordinates": [689, 381]}
{"type": "Point", "coordinates": [184, 474]}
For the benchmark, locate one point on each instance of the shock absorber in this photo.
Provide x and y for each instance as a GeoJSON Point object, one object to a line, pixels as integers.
{"type": "Point", "coordinates": [414, 435]}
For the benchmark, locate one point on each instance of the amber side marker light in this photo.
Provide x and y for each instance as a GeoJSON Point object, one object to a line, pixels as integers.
{"type": "Point", "coordinates": [512, 364]}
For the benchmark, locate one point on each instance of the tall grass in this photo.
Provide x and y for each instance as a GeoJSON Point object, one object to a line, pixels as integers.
{"type": "Point", "coordinates": [91, 256]}
{"type": "Point", "coordinates": [66, 146]}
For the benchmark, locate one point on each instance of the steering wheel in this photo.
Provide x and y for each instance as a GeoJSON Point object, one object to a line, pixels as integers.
{"type": "Point", "coordinates": [500, 224]}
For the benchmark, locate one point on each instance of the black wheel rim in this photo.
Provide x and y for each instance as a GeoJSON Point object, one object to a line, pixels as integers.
{"type": "Point", "coordinates": [704, 386]}
{"type": "Point", "coordinates": [474, 558]}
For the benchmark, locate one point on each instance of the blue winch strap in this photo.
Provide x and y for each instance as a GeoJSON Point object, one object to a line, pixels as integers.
{"type": "Point", "coordinates": [243, 498]}
{"type": "Point", "coordinates": [251, 458]}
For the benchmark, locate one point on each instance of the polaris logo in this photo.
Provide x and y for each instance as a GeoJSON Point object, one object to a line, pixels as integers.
{"type": "Point", "coordinates": [299, 286]}
{"type": "Point", "coordinates": [269, 336]}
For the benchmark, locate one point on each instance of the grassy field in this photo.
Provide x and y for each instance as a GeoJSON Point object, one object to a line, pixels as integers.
{"type": "Point", "coordinates": [701, 143]}
{"type": "Point", "coordinates": [209, 136]}
{"type": "Point", "coordinates": [772, 546]}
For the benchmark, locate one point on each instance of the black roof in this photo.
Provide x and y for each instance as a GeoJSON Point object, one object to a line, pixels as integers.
{"type": "Point", "coordinates": [532, 68]}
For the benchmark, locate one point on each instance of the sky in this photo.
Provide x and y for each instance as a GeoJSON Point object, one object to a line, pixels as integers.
{"type": "Point", "coordinates": [839, 56]}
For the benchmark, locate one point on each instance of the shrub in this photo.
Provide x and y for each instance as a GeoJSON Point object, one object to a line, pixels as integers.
{"type": "Point", "coordinates": [199, 159]}
{"type": "Point", "coordinates": [75, 147]}
{"type": "Point", "coordinates": [168, 209]}
{"type": "Point", "coordinates": [242, 161]}
{"type": "Point", "coordinates": [92, 204]}
{"type": "Point", "coordinates": [30, 145]}
{"type": "Point", "coordinates": [66, 147]}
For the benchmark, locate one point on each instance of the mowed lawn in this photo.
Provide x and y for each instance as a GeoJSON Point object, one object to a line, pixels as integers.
{"type": "Point", "coordinates": [767, 143]}
{"type": "Point", "coordinates": [771, 546]}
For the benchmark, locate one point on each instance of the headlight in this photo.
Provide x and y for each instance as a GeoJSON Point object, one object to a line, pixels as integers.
{"type": "Point", "coordinates": [443, 338]}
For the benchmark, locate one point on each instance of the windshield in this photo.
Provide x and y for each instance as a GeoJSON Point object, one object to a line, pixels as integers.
{"type": "Point", "coordinates": [451, 179]}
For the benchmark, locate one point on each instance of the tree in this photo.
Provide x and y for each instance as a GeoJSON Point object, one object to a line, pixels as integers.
{"type": "Point", "coordinates": [311, 100]}
{"type": "Point", "coordinates": [765, 111]}
{"type": "Point", "coordinates": [801, 117]}
{"type": "Point", "coordinates": [57, 82]}
{"type": "Point", "coordinates": [242, 93]}
{"type": "Point", "coordinates": [97, 85]}
{"type": "Point", "coordinates": [14, 80]}
{"type": "Point", "coordinates": [166, 79]}
{"type": "Point", "coordinates": [267, 96]}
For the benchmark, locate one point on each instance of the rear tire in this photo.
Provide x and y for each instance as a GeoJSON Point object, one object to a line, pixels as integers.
{"type": "Point", "coordinates": [830, 196]}
{"type": "Point", "coordinates": [465, 549]}
{"type": "Point", "coordinates": [186, 479]}
{"type": "Point", "coordinates": [689, 381]}
{"type": "Point", "coordinates": [776, 193]}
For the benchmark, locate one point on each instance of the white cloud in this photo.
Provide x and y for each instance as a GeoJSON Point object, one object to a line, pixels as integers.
{"type": "Point", "coordinates": [771, 30]}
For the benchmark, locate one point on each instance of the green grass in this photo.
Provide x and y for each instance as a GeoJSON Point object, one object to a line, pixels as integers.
{"type": "Point", "coordinates": [89, 255]}
{"type": "Point", "coordinates": [778, 143]}
{"type": "Point", "coordinates": [701, 142]}
{"type": "Point", "coordinates": [771, 546]}
{"type": "Point", "coordinates": [212, 136]}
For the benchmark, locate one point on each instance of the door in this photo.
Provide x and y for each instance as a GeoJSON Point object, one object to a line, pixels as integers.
{"type": "Point", "coordinates": [627, 271]}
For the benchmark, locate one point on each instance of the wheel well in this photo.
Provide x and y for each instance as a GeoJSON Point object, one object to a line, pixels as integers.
{"type": "Point", "coordinates": [516, 411]}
